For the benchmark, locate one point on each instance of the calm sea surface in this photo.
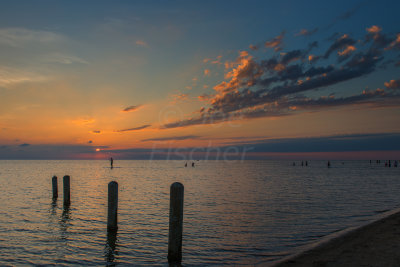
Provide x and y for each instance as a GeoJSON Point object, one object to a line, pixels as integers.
{"type": "Point", "coordinates": [235, 213]}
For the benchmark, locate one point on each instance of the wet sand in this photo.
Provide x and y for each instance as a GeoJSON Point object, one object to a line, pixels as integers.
{"type": "Point", "coordinates": [374, 244]}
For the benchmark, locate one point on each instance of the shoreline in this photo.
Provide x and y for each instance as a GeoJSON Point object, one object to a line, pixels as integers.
{"type": "Point", "coordinates": [375, 242]}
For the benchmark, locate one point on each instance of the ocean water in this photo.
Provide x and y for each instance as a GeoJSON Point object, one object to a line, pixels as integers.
{"type": "Point", "coordinates": [235, 213]}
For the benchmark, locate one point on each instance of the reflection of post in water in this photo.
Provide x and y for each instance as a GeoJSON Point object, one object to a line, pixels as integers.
{"type": "Point", "coordinates": [53, 208]}
{"type": "Point", "coordinates": [110, 248]}
{"type": "Point", "coordinates": [64, 222]}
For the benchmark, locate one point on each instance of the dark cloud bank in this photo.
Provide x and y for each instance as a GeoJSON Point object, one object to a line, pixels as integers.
{"type": "Point", "coordinates": [242, 149]}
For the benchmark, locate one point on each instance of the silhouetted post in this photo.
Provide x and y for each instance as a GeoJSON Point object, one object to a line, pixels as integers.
{"type": "Point", "coordinates": [67, 196]}
{"type": "Point", "coordinates": [112, 206]}
{"type": "Point", "coordinates": [175, 223]}
{"type": "Point", "coordinates": [55, 187]}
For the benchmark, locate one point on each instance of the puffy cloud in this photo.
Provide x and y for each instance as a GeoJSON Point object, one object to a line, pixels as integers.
{"type": "Point", "coordinates": [374, 29]}
{"type": "Point", "coordinates": [276, 43]}
{"type": "Point", "coordinates": [395, 44]}
{"type": "Point", "coordinates": [244, 71]}
{"type": "Point", "coordinates": [277, 86]}
{"type": "Point", "coordinates": [204, 97]}
{"type": "Point", "coordinates": [305, 32]}
{"type": "Point", "coordinates": [207, 72]}
{"type": "Point", "coordinates": [347, 51]}
{"type": "Point", "coordinates": [393, 84]}
{"type": "Point", "coordinates": [253, 47]}
{"type": "Point", "coordinates": [179, 97]}
{"type": "Point", "coordinates": [341, 43]}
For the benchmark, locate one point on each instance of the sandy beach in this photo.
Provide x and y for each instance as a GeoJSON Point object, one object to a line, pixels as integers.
{"type": "Point", "coordinates": [373, 244]}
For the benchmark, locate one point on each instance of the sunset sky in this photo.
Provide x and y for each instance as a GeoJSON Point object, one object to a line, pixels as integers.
{"type": "Point", "coordinates": [276, 79]}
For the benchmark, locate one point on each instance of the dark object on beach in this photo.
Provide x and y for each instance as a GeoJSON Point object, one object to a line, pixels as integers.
{"type": "Point", "coordinates": [112, 162]}
{"type": "Point", "coordinates": [329, 164]}
{"type": "Point", "coordinates": [306, 163]}
{"type": "Point", "coordinates": [302, 163]}
{"type": "Point", "coordinates": [55, 187]}
{"type": "Point", "coordinates": [175, 223]}
{"type": "Point", "coordinates": [112, 222]}
{"type": "Point", "coordinates": [186, 164]}
{"type": "Point", "coordinates": [294, 163]}
{"type": "Point", "coordinates": [67, 196]}
{"type": "Point", "coordinates": [192, 164]}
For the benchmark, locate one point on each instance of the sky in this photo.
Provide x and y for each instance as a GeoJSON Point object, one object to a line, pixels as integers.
{"type": "Point", "coordinates": [199, 79]}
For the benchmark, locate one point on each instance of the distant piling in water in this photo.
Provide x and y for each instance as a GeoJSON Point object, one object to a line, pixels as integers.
{"type": "Point", "coordinates": [112, 206]}
{"type": "Point", "coordinates": [55, 187]}
{"type": "Point", "coordinates": [67, 195]}
{"type": "Point", "coordinates": [175, 223]}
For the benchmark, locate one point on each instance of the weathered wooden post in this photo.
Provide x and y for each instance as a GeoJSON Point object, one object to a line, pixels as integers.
{"type": "Point", "coordinates": [112, 206]}
{"type": "Point", "coordinates": [67, 196]}
{"type": "Point", "coordinates": [55, 187]}
{"type": "Point", "coordinates": [175, 223]}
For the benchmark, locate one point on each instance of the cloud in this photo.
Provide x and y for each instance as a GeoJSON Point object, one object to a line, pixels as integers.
{"type": "Point", "coordinates": [131, 108]}
{"type": "Point", "coordinates": [206, 72]}
{"type": "Point", "coordinates": [141, 43]}
{"type": "Point", "coordinates": [347, 51]}
{"type": "Point", "coordinates": [90, 142]}
{"type": "Point", "coordinates": [341, 43]}
{"type": "Point", "coordinates": [395, 44]}
{"type": "Point", "coordinates": [379, 39]}
{"type": "Point", "coordinates": [393, 84]}
{"type": "Point", "coordinates": [305, 32]}
{"type": "Point", "coordinates": [63, 59]}
{"type": "Point", "coordinates": [217, 60]}
{"type": "Point", "coordinates": [333, 143]}
{"type": "Point", "coordinates": [19, 37]}
{"type": "Point", "coordinates": [286, 84]}
{"type": "Point", "coordinates": [374, 29]}
{"type": "Point", "coordinates": [345, 16]}
{"type": "Point", "coordinates": [243, 72]}
{"type": "Point", "coordinates": [96, 132]}
{"type": "Point", "coordinates": [387, 142]}
{"type": "Point", "coordinates": [172, 138]}
{"type": "Point", "coordinates": [12, 76]}
{"type": "Point", "coordinates": [24, 145]}
{"type": "Point", "coordinates": [276, 43]}
{"type": "Point", "coordinates": [134, 129]}
{"type": "Point", "coordinates": [179, 97]}
{"type": "Point", "coordinates": [253, 47]}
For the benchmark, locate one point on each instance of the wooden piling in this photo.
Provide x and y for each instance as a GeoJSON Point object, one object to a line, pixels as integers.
{"type": "Point", "coordinates": [112, 206]}
{"type": "Point", "coordinates": [55, 187]}
{"type": "Point", "coordinates": [175, 223]}
{"type": "Point", "coordinates": [67, 196]}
